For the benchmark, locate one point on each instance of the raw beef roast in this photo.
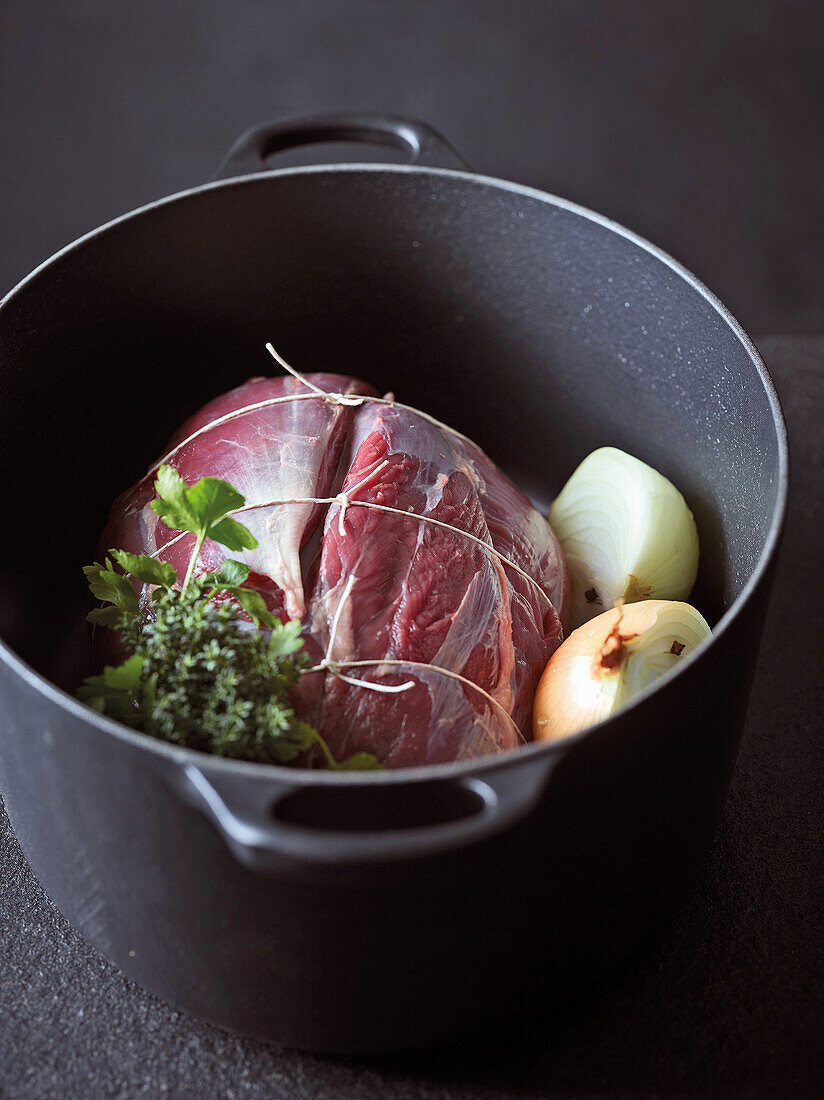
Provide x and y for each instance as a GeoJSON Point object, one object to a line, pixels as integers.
{"type": "Point", "coordinates": [381, 586]}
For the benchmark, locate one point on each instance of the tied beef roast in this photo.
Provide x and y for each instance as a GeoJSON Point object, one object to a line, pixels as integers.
{"type": "Point", "coordinates": [377, 584]}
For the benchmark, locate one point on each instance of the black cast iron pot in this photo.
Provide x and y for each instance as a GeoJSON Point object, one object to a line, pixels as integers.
{"type": "Point", "coordinates": [345, 912]}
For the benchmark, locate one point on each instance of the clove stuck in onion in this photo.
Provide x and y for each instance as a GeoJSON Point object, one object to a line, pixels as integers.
{"type": "Point", "coordinates": [606, 662]}
{"type": "Point", "coordinates": [626, 532]}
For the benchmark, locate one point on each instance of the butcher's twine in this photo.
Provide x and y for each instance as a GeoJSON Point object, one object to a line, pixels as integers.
{"type": "Point", "coordinates": [329, 664]}
{"type": "Point", "coordinates": [345, 500]}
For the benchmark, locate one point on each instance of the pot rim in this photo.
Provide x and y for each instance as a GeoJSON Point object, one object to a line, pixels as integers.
{"type": "Point", "coordinates": [479, 765]}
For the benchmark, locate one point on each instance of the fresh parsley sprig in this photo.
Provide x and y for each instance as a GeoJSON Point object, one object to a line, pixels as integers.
{"type": "Point", "coordinates": [196, 676]}
{"type": "Point", "coordinates": [202, 509]}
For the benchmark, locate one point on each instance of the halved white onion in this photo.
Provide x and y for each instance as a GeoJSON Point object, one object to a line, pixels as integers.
{"type": "Point", "coordinates": [610, 659]}
{"type": "Point", "coordinates": [627, 534]}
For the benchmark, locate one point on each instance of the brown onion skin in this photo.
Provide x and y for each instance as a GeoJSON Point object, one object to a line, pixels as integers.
{"type": "Point", "coordinates": [595, 649]}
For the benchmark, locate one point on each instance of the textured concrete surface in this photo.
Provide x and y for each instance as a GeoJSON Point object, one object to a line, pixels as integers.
{"type": "Point", "coordinates": [727, 1002]}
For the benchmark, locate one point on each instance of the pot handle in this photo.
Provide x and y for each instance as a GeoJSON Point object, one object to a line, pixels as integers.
{"type": "Point", "coordinates": [423, 144]}
{"type": "Point", "coordinates": [328, 826]}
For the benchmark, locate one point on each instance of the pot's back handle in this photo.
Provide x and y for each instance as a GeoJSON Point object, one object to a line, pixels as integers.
{"type": "Point", "coordinates": [271, 825]}
{"type": "Point", "coordinates": [422, 144]}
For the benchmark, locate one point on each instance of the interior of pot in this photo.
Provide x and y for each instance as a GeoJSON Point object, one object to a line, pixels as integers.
{"type": "Point", "coordinates": [532, 328]}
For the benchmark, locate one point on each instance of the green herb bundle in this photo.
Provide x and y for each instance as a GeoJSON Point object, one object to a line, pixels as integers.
{"type": "Point", "coordinates": [196, 674]}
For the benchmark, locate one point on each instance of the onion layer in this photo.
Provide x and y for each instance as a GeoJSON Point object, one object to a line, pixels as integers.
{"type": "Point", "coordinates": [627, 534]}
{"type": "Point", "coordinates": [606, 662]}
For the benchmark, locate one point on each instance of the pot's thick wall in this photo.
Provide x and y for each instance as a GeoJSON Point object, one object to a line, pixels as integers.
{"type": "Point", "coordinates": [537, 331]}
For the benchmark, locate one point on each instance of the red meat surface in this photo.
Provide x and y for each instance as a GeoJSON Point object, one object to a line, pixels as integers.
{"type": "Point", "coordinates": [393, 587]}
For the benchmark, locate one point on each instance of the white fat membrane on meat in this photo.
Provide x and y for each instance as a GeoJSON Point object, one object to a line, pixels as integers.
{"type": "Point", "coordinates": [294, 445]}
{"type": "Point", "coordinates": [484, 610]}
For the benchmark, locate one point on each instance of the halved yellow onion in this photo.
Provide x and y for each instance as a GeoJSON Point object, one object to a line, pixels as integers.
{"type": "Point", "coordinates": [627, 534]}
{"type": "Point", "coordinates": [609, 660]}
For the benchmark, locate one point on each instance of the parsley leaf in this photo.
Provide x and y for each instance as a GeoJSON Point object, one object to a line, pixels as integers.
{"type": "Point", "coordinates": [113, 692]}
{"type": "Point", "coordinates": [211, 499]}
{"type": "Point", "coordinates": [228, 532]}
{"type": "Point", "coordinates": [255, 607]}
{"type": "Point", "coordinates": [112, 587]}
{"type": "Point", "coordinates": [358, 762]}
{"type": "Point", "coordinates": [106, 616]}
{"type": "Point", "coordinates": [230, 578]}
{"type": "Point", "coordinates": [147, 569]}
{"type": "Point", "coordinates": [230, 575]}
{"type": "Point", "coordinates": [173, 504]}
{"type": "Point", "coordinates": [201, 509]}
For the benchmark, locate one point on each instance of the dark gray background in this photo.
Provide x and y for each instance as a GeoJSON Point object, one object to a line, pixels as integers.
{"type": "Point", "coordinates": [697, 124]}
